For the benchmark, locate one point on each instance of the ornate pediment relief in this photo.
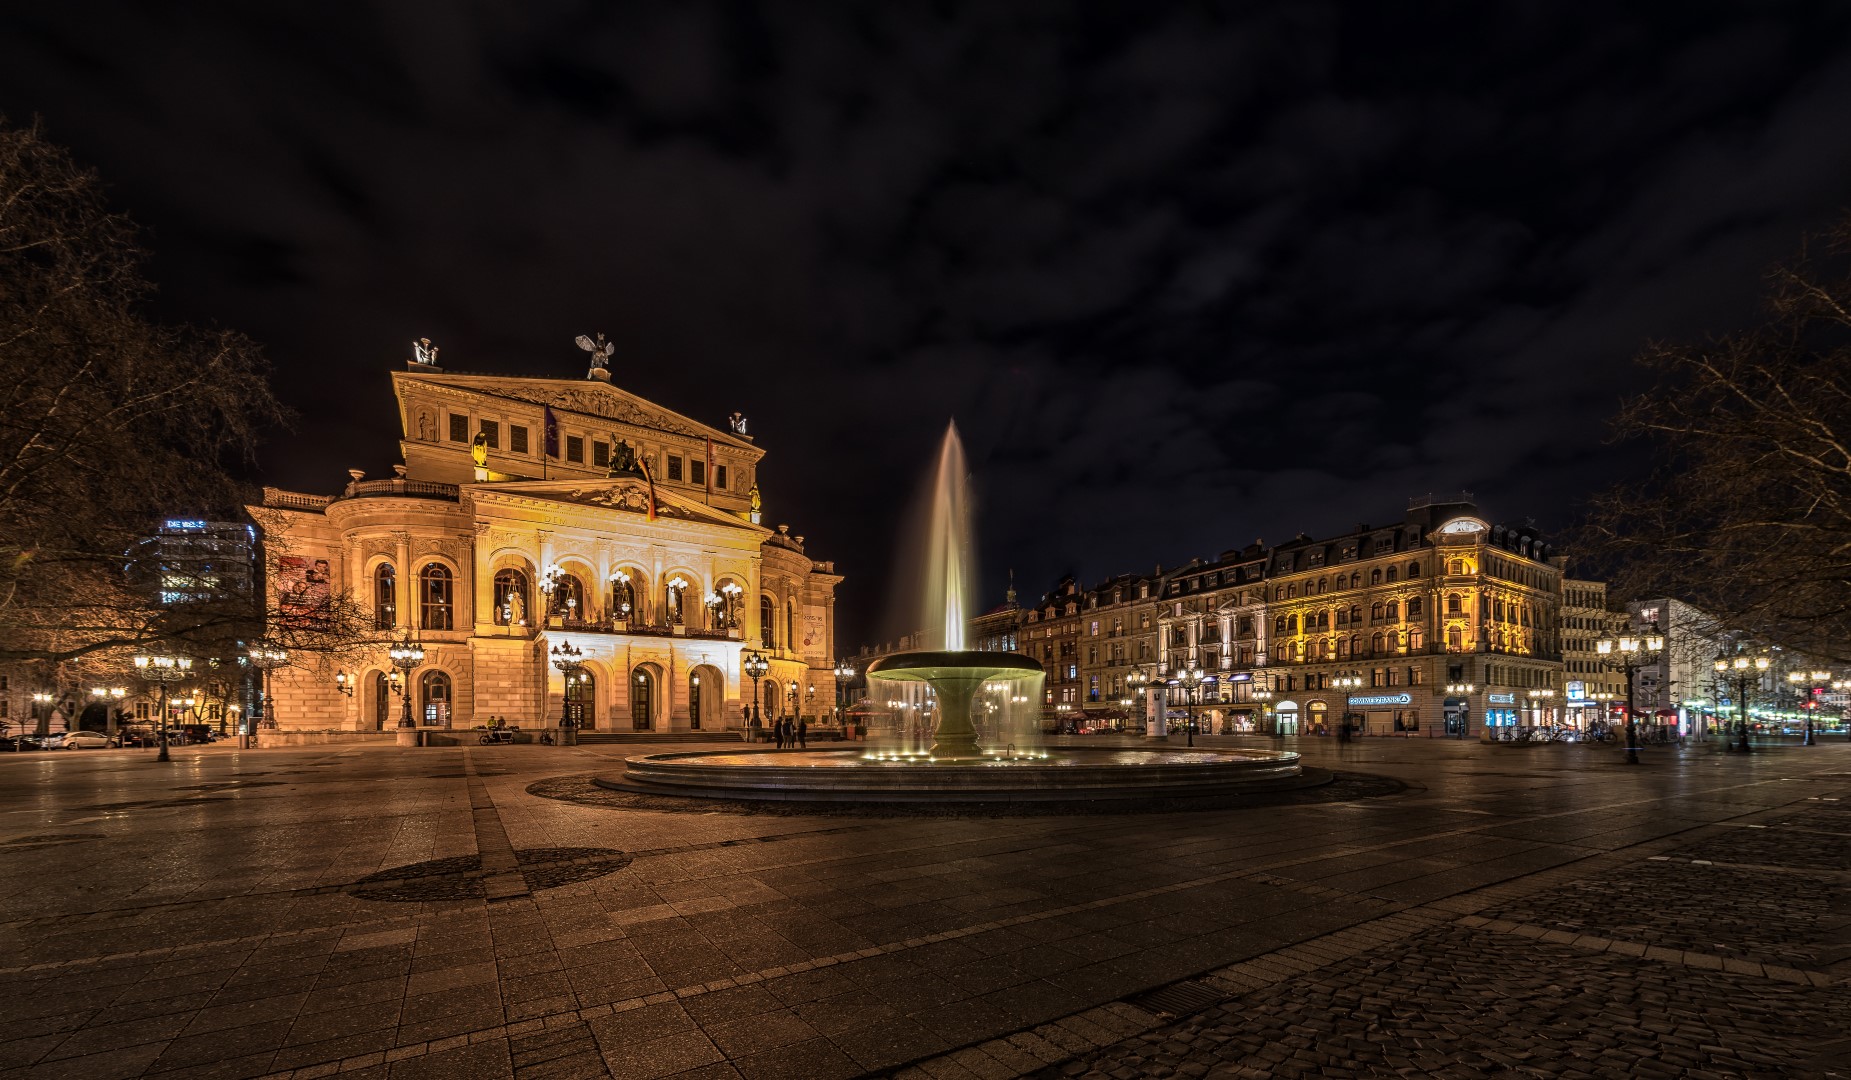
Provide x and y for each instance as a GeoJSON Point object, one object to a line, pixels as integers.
{"type": "Point", "coordinates": [631, 497]}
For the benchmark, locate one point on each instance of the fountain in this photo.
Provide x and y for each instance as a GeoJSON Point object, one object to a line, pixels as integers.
{"type": "Point", "coordinates": [962, 725]}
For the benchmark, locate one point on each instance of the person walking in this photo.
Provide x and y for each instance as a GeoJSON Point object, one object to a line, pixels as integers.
{"type": "Point", "coordinates": [802, 732]}
{"type": "Point", "coordinates": [777, 732]}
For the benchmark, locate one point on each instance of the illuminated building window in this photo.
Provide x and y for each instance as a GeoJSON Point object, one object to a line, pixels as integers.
{"type": "Point", "coordinates": [385, 597]}
{"type": "Point", "coordinates": [600, 453]}
{"type": "Point", "coordinates": [435, 611]}
{"type": "Point", "coordinates": [517, 439]}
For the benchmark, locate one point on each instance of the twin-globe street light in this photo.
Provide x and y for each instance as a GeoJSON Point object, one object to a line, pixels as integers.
{"type": "Point", "coordinates": [1629, 653]}
{"type": "Point", "coordinates": [162, 670]}
{"type": "Point", "coordinates": [755, 667]}
{"type": "Point", "coordinates": [570, 660]}
{"type": "Point", "coordinates": [1740, 669]}
{"type": "Point", "coordinates": [405, 655]}
{"type": "Point", "coordinates": [1811, 684]}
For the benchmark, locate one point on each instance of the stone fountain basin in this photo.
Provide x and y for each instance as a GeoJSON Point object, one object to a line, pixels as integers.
{"type": "Point", "coordinates": [1064, 774]}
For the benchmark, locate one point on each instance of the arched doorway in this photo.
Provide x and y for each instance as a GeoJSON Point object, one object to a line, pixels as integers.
{"type": "Point", "coordinates": [706, 698]}
{"type": "Point", "coordinates": [694, 701]}
{"type": "Point", "coordinates": [772, 697]}
{"type": "Point", "coordinates": [434, 699]}
{"type": "Point", "coordinates": [1285, 717]}
{"type": "Point", "coordinates": [642, 700]}
{"type": "Point", "coordinates": [581, 699]}
{"type": "Point", "coordinates": [382, 700]}
{"type": "Point", "coordinates": [1319, 715]}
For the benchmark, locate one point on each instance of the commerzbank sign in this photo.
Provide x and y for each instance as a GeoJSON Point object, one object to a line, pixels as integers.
{"type": "Point", "coordinates": [1381, 699]}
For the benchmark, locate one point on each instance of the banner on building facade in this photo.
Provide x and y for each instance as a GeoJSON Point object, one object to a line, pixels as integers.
{"type": "Point", "coordinates": [815, 641]}
{"type": "Point", "coordinates": [302, 586]}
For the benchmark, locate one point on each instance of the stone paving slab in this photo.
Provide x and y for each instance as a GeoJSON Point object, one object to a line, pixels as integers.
{"type": "Point", "coordinates": [784, 945]}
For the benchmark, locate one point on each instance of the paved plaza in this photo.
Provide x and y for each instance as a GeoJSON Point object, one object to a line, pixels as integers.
{"type": "Point", "coordinates": [373, 912]}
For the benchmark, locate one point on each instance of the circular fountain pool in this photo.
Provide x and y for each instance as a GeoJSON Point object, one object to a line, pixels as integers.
{"type": "Point", "coordinates": [857, 775]}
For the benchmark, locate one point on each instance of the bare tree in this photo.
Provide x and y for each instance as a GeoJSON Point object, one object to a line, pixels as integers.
{"type": "Point", "coordinates": [1747, 513]}
{"type": "Point", "coordinates": [109, 422]}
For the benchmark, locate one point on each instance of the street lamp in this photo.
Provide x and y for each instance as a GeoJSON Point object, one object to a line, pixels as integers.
{"type": "Point", "coordinates": [755, 667]}
{"type": "Point", "coordinates": [1345, 684]}
{"type": "Point", "coordinates": [1265, 698]}
{"type": "Point", "coordinates": [267, 657]}
{"type": "Point", "coordinates": [42, 700]}
{"type": "Point", "coordinates": [1811, 684]}
{"type": "Point", "coordinates": [1741, 669]}
{"type": "Point", "coordinates": [162, 670]}
{"type": "Point", "coordinates": [1191, 679]}
{"type": "Point", "coordinates": [104, 695]}
{"type": "Point", "coordinates": [1463, 689]}
{"type": "Point", "coordinates": [790, 690]}
{"type": "Point", "coordinates": [344, 682]}
{"type": "Point", "coordinates": [570, 660]}
{"type": "Point", "coordinates": [405, 655]}
{"type": "Point", "coordinates": [845, 672]}
{"type": "Point", "coordinates": [1629, 653]}
{"type": "Point", "coordinates": [1537, 697]}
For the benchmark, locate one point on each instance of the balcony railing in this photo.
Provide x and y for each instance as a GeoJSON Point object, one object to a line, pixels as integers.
{"type": "Point", "coordinates": [401, 488]}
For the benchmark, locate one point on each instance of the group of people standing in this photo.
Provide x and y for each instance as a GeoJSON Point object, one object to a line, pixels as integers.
{"type": "Point", "coordinates": [790, 732]}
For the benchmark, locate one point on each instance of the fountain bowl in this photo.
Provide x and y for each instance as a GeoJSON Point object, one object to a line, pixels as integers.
{"type": "Point", "coordinates": [1077, 774]}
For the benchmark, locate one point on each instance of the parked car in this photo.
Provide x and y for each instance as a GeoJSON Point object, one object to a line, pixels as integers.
{"type": "Point", "coordinates": [137, 737]}
{"type": "Point", "coordinates": [84, 740]}
{"type": "Point", "coordinates": [45, 742]}
{"type": "Point", "coordinates": [16, 743]}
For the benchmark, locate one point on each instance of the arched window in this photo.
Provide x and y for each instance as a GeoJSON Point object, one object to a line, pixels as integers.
{"type": "Point", "coordinates": [510, 595]}
{"type": "Point", "coordinates": [1375, 576]}
{"type": "Point", "coordinates": [1375, 644]}
{"type": "Point", "coordinates": [1292, 589]}
{"type": "Point", "coordinates": [1457, 567]}
{"type": "Point", "coordinates": [1355, 580]}
{"type": "Point", "coordinates": [568, 599]}
{"type": "Point", "coordinates": [1454, 605]}
{"type": "Point", "coordinates": [1413, 570]}
{"type": "Point", "coordinates": [767, 622]}
{"type": "Point", "coordinates": [1375, 611]}
{"type": "Point", "coordinates": [385, 597]}
{"type": "Point", "coordinates": [623, 596]}
{"type": "Point", "coordinates": [1391, 575]}
{"type": "Point", "coordinates": [1317, 649]}
{"type": "Point", "coordinates": [1291, 624]}
{"type": "Point", "coordinates": [1416, 639]}
{"type": "Point", "coordinates": [434, 698]}
{"type": "Point", "coordinates": [1356, 613]}
{"type": "Point", "coordinates": [1279, 624]}
{"type": "Point", "coordinates": [673, 594]}
{"type": "Point", "coordinates": [772, 697]}
{"type": "Point", "coordinates": [1324, 620]}
{"type": "Point", "coordinates": [642, 699]}
{"type": "Point", "coordinates": [1356, 645]}
{"type": "Point", "coordinates": [1414, 607]}
{"type": "Point", "coordinates": [436, 603]}
{"type": "Point", "coordinates": [790, 624]}
{"type": "Point", "coordinates": [1343, 616]}
{"type": "Point", "coordinates": [1321, 584]}
{"type": "Point", "coordinates": [1279, 592]}
{"type": "Point", "coordinates": [1394, 611]}
{"type": "Point", "coordinates": [1343, 648]}
{"type": "Point", "coordinates": [1455, 640]}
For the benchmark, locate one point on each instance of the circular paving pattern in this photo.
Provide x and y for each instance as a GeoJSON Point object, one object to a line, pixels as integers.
{"type": "Point", "coordinates": [462, 877]}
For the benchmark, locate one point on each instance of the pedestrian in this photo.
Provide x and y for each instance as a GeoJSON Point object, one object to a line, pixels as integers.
{"type": "Point", "coordinates": [777, 732]}
{"type": "Point", "coordinates": [802, 732]}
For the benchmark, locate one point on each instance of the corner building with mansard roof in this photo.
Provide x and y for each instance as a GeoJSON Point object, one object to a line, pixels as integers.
{"type": "Point", "coordinates": [488, 551]}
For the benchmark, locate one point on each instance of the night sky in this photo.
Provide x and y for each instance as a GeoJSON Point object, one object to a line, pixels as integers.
{"type": "Point", "coordinates": [1183, 279]}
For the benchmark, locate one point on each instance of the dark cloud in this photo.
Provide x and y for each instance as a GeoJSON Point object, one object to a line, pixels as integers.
{"type": "Point", "coordinates": [1184, 278]}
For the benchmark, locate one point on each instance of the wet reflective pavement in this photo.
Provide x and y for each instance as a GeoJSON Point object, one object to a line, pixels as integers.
{"type": "Point", "coordinates": [383, 912]}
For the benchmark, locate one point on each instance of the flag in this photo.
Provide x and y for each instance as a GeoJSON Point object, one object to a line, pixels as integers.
{"type": "Point", "coordinates": [551, 426]}
{"type": "Point", "coordinates": [649, 477]}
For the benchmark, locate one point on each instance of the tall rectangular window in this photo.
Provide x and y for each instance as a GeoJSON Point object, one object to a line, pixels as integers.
{"type": "Point", "coordinates": [719, 477]}
{"type": "Point", "coordinates": [493, 431]}
{"type": "Point", "coordinates": [575, 448]}
{"type": "Point", "coordinates": [674, 467]}
{"type": "Point", "coordinates": [600, 453]}
{"type": "Point", "coordinates": [459, 428]}
{"type": "Point", "coordinates": [517, 438]}
{"type": "Point", "coordinates": [697, 471]}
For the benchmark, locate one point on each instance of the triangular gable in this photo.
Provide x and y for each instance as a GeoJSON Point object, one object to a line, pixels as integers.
{"type": "Point", "coordinates": [587, 398]}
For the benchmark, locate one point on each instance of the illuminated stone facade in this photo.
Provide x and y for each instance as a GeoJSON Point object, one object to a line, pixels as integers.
{"type": "Point", "coordinates": [509, 531]}
{"type": "Point", "coordinates": [1373, 625]}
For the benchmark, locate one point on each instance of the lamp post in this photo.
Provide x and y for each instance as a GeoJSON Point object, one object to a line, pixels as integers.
{"type": "Point", "coordinates": [1191, 680]}
{"type": "Point", "coordinates": [266, 657]}
{"type": "Point", "coordinates": [755, 667]}
{"type": "Point", "coordinates": [1345, 684]}
{"type": "Point", "coordinates": [1139, 683]}
{"type": "Point", "coordinates": [405, 655]}
{"type": "Point", "coordinates": [845, 672]}
{"type": "Point", "coordinates": [104, 695]}
{"type": "Point", "coordinates": [1537, 698]}
{"type": "Point", "coordinates": [344, 682]}
{"type": "Point", "coordinates": [162, 670]}
{"type": "Point", "coordinates": [41, 703]}
{"type": "Point", "coordinates": [1465, 690]}
{"type": "Point", "coordinates": [790, 696]}
{"type": "Point", "coordinates": [1265, 698]}
{"type": "Point", "coordinates": [1629, 653]}
{"type": "Point", "coordinates": [1810, 684]}
{"type": "Point", "coordinates": [1741, 669]}
{"type": "Point", "coordinates": [570, 660]}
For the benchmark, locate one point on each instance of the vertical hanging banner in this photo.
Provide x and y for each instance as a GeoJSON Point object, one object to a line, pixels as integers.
{"type": "Point", "coordinates": [550, 426]}
{"type": "Point", "coordinates": [709, 469]}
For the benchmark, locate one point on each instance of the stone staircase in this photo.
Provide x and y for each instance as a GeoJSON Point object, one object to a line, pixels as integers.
{"type": "Point", "coordinates": [607, 738]}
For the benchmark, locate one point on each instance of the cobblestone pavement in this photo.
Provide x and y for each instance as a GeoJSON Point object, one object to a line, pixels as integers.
{"type": "Point", "coordinates": [382, 912]}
